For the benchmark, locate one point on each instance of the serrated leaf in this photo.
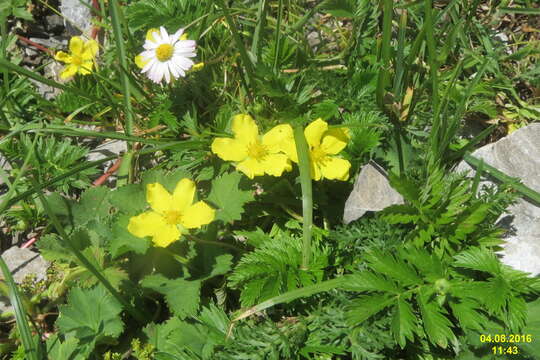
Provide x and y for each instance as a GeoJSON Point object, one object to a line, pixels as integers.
{"type": "Point", "coordinates": [395, 268]}
{"type": "Point", "coordinates": [478, 259]}
{"type": "Point", "coordinates": [228, 197]}
{"type": "Point", "coordinates": [436, 324]}
{"type": "Point", "coordinates": [403, 322]}
{"type": "Point", "coordinates": [365, 307]}
{"type": "Point", "coordinates": [400, 214]}
{"type": "Point", "coordinates": [129, 199]}
{"type": "Point", "coordinates": [465, 310]}
{"type": "Point", "coordinates": [122, 241]}
{"type": "Point", "coordinates": [167, 179]}
{"type": "Point", "coordinates": [94, 203]}
{"type": "Point", "coordinates": [368, 281]}
{"type": "Point", "coordinates": [222, 265]}
{"type": "Point", "coordinates": [182, 296]}
{"type": "Point", "coordinates": [66, 350]}
{"type": "Point", "coordinates": [90, 315]}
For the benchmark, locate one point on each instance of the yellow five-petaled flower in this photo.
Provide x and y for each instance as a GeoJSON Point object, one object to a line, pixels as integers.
{"type": "Point", "coordinates": [255, 155]}
{"type": "Point", "coordinates": [171, 215]}
{"type": "Point", "coordinates": [80, 59]}
{"type": "Point", "coordinates": [324, 144]}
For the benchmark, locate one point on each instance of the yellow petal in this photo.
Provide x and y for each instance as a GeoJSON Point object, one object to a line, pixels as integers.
{"type": "Point", "coordinates": [334, 168]}
{"type": "Point", "coordinates": [76, 45]}
{"type": "Point", "coordinates": [278, 138]}
{"type": "Point", "coordinates": [315, 131]}
{"type": "Point", "coordinates": [315, 170]}
{"type": "Point", "coordinates": [159, 198]}
{"type": "Point", "coordinates": [91, 48]}
{"type": "Point", "coordinates": [251, 168]}
{"type": "Point", "coordinates": [332, 144]}
{"type": "Point", "coordinates": [197, 215]}
{"type": "Point", "coordinates": [145, 224]}
{"type": "Point", "coordinates": [86, 67]}
{"type": "Point", "coordinates": [229, 149]}
{"type": "Point", "coordinates": [245, 129]}
{"type": "Point", "coordinates": [62, 56]}
{"type": "Point", "coordinates": [141, 61]}
{"type": "Point", "coordinates": [149, 34]}
{"type": "Point", "coordinates": [183, 194]}
{"type": "Point", "coordinates": [166, 235]}
{"type": "Point", "coordinates": [276, 164]}
{"type": "Point", "coordinates": [69, 71]}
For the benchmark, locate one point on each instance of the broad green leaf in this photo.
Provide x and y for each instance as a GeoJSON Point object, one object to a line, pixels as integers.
{"type": "Point", "coordinates": [94, 203]}
{"type": "Point", "coordinates": [339, 8]}
{"type": "Point", "coordinates": [129, 199]}
{"type": "Point", "coordinates": [66, 350]}
{"type": "Point", "coordinates": [465, 310]}
{"type": "Point", "coordinates": [478, 259]}
{"type": "Point", "coordinates": [386, 263]}
{"type": "Point", "coordinates": [90, 315]}
{"type": "Point", "coordinates": [122, 241]}
{"type": "Point", "coordinates": [182, 296]}
{"type": "Point", "coordinates": [228, 197]}
{"type": "Point", "coordinates": [368, 281]}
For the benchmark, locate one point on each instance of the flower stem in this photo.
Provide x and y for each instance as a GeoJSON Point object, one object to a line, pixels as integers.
{"type": "Point", "coordinates": [307, 193]}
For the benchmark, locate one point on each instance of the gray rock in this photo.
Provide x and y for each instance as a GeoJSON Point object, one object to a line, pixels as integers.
{"type": "Point", "coordinates": [55, 23]}
{"type": "Point", "coordinates": [517, 155]}
{"type": "Point", "coordinates": [77, 15]}
{"type": "Point", "coordinates": [371, 192]}
{"type": "Point", "coordinates": [113, 147]}
{"type": "Point", "coordinates": [21, 263]}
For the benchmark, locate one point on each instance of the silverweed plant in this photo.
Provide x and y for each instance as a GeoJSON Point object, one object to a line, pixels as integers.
{"type": "Point", "coordinates": [183, 167]}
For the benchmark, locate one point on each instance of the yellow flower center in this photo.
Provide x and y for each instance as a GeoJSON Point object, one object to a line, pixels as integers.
{"type": "Point", "coordinates": [318, 155]}
{"type": "Point", "coordinates": [164, 52]}
{"type": "Point", "coordinates": [173, 217]}
{"type": "Point", "coordinates": [257, 151]}
{"type": "Point", "coordinates": [76, 60]}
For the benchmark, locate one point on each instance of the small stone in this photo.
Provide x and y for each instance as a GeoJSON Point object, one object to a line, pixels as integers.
{"type": "Point", "coordinates": [371, 192]}
{"type": "Point", "coordinates": [55, 23]}
{"type": "Point", "coordinates": [21, 263]}
{"type": "Point", "coordinates": [78, 16]}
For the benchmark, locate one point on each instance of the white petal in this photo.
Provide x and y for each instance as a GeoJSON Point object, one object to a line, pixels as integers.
{"type": "Point", "coordinates": [149, 45]}
{"type": "Point", "coordinates": [184, 63]}
{"type": "Point", "coordinates": [148, 66]}
{"type": "Point", "coordinates": [164, 35]}
{"type": "Point", "coordinates": [167, 74]}
{"type": "Point", "coordinates": [176, 35]}
{"type": "Point", "coordinates": [173, 69]}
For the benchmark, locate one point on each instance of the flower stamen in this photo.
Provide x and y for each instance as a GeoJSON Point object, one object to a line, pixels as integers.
{"type": "Point", "coordinates": [173, 217]}
{"type": "Point", "coordinates": [164, 52]}
{"type": "Point", "coordinates": [256, 150]}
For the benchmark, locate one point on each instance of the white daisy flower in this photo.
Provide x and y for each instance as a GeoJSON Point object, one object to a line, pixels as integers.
{"type": "Point", "coordinates": [166, 55]}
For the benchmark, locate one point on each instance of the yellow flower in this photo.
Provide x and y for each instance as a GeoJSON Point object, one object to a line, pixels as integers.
{"type": "Point", "coordinates": [171, 214]}
{"type": "Point", "coordinates": [255, 155]}
{"type": "Point", "coordinates": [323, 143]}
{"type": "Point", "coordinates": [80, 59]}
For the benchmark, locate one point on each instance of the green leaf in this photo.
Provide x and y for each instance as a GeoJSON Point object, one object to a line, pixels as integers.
{"type": "Point", "coordinates": [403, 322]}
{"type": "Point", "coordinates": [368, 281]}
{"type": "Point", "coordinates": [228, 197]}
{"type": "Point", "coordinates": [465, 311]}
{"type": "Point", "coordinates": [129, 199]}
{"type": "Point", "coordinates": [67, 350]}
{"type": "Point", "coordinates": [122, 241]}
{"type": "Point", "coordinates": [167, 179]}
{"type": "Point", "coordinates": [339, 8]}
{"type": "Point", "coordinates": [395, 268]}
{"type": "Point", "coordinates": [182, 296]}
{"type": "Point", "coordinates": [478, 259]}
{"type": "Point", "coordinates": [94, 203]}
{"type": "Point", "coordinates": [436, 324]}
{"type": "Point", "coordinates": [365, 307]}
{"type": "Point", "coordinates": [90, 315]}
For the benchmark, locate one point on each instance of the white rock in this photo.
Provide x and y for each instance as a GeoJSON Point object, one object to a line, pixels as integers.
{"type": "Point", "coordinates": [371, 192]}
{"type": "Point", "coordinates": [518, 155]}
{"type": "Point", "coordinates": [78, 16]}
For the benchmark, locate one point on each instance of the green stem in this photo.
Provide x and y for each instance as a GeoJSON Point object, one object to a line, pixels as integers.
{"type": "Point", "coordinates": [126, 89]}
{"type": "Point", "coordinates": [307, 193]}
{"type": "Point", "coordinates": [124, 172]}
{"type": "Point", "coordinates": [86, 263]}
{"type": "Point", "coordinates": [241, 47]}
{"type": "Point", "coordinates": [385, 52]}
{"type": "Point", "coordinates": [277, 49]}
{"type": "Point", "coordinates": [215, 243]}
